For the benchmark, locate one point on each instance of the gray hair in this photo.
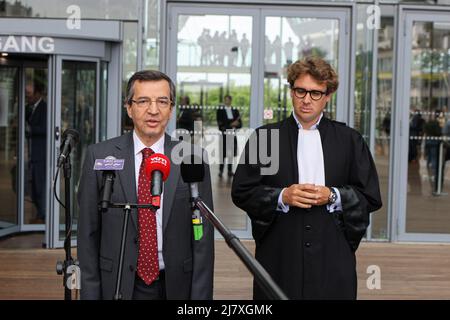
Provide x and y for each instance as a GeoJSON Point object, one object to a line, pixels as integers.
{"type": "Point", "coordinates": [148, 75]}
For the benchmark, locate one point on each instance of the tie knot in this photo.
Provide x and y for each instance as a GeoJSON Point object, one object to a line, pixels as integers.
{"type": "Point", "coordinates": [147, 152]}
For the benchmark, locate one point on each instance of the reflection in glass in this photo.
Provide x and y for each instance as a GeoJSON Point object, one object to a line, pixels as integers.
{"type": "Point", "coordinates": [78, 102]}
{"type": "Point", "coordinates": [428, 175]}
{"type": "Point", "coordinates": [35, 209]}
{"type": "Point", "coordinates": [9, 137]}
{"type": "Point", "coordinates": [213, 62]}
{"type": "Point", "coordinates": [287, 40]}
{"type": "Point", "coordinates": [379, 220]}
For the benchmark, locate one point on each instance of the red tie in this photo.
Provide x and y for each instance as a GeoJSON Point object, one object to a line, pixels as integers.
{"type": "Point", "coordinates": [148, 266]}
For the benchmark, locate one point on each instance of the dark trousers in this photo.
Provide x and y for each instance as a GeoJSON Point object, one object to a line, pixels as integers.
{"type": "Point", "coordinates": [154, 291]}
{"type": "Point", "coordinates": [38, 187]}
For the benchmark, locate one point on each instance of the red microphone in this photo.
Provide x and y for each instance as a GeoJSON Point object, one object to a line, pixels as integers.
{"type": "Point", "coordinates": [157, 168]}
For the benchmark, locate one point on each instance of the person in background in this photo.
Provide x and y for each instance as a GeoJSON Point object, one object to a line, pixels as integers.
{"type": "Point", "coordinates": [228, 120]}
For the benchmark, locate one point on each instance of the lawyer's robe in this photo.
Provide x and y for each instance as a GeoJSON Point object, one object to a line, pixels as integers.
{"type": "Point", "coordinates": [310, 253]}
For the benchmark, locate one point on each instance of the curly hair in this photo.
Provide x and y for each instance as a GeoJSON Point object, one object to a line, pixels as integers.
{"type": "Point", "coordinates": [317, 68]}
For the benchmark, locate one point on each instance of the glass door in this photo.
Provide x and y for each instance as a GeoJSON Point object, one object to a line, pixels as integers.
{"type": "Point", "coordinates": [77, 100]}
{"type": "Point", "coordinates": [23, 130]}
{"type": "Point", "coordinates": [424, 97]}
{"type": "Point", "coordinates": [213, 51]}
{"type": "Point", "coordinates": [9, 149]}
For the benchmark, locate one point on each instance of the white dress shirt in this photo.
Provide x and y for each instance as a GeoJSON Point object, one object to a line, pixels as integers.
{"type": "Point", "coordinates": [310, 164]}
{"type": "Point", "coordinates": [229, 112]}
{"type": "Point", "coordinates": [157, 147]}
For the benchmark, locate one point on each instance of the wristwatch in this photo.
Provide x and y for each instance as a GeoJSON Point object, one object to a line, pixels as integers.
{"type": "Point", "coordinates": [333, 196]}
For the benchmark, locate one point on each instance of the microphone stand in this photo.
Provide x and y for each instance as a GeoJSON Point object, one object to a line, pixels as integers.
{"type": "Point", "coordinates": [126, 210]}
{"type": "Point", "coordinates": [264, 280]}
{"type": "Point", "coordinates": [69, 268]}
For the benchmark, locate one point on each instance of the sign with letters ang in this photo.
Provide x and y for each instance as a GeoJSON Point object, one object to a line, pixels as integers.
{"type": "Point", "coordinates": [24, 44]}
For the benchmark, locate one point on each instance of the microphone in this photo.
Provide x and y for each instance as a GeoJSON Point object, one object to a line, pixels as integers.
{"type": "Point", "coordinates": [70, 138]}
{"type": "Point", "coordinates": [193, 171]}
{"type": "Point", "coordinates": [108, 165]}
{"type": "Point", "coordinates": [157, 168]}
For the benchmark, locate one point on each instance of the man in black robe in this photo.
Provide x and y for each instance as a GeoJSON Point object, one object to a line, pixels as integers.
{"type": "Point", "coordinates": [309, 218]}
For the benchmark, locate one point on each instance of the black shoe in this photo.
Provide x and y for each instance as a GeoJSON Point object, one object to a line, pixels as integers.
{"type": "Point", "coordinates": [220, 174]}
{"type": "Point", "coordinates": [230, 173]}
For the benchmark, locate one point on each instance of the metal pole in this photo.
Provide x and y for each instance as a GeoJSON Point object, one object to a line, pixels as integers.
{"type": "Point", "coordinates": [440, 164]}
{"type": "Point", "coordinates": [268, 285]}
{"type": "Point", "coordinates": [68, 227]}
{"type": "Point", "coordinates": [118, 294]}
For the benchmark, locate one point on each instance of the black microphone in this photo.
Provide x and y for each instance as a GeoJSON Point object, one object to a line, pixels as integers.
{"type": "Point", "coordinates": [109, 166]}
{"type": "Point", "coordinates": [70, 139]}
{"type": "Point", "coordinates": [108, 184]}
{"type": "Point", "coordinates": [193, 171]}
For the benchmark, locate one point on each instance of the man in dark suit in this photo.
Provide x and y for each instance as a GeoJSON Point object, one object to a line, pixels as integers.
{"type": "Point", "coordinates": [309, 217]}
{"type": "Point", "coordinates": [162, 260]}
{"type": "Point", "coordinates": [228, 120]}
{"type": "Point", "coordinates": [36, 116]}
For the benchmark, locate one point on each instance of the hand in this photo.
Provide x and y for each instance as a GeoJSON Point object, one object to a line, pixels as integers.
{"type": "Point", "coordinates": [323, 195]}
{"type": "Point", "coordinates": [300, 195]}
{"type": "Point", "coordinates": [235, 123]}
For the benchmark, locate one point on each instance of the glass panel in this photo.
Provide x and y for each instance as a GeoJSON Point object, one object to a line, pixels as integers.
{"type": "Point", "coordinates": [213, 61]}
{"type": "Point", "coordinates": [383, 121]}
{"type": "Point", "coordinates": [35, 145]}
{"type": "Point", "coordinates": [78, 103]}
{"type": "Point", "coordinates": [363, 76]}
{"type": "Point", "coordinates": [429, 130]}
{"type": "Point", "coordinates": [9, 137]}
{"type": "Point", "coordinates": [151, 35]}
{"type": "Point", "coordinates": [287, 40]}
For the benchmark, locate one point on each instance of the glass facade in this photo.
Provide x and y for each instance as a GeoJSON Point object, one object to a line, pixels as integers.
{"type": "Point", "coordinates": [215, 57]}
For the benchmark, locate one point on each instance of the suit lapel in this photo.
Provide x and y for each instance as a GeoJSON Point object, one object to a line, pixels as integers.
{"type": "Point", "coordinates": [170, 184]}
{"type": "Point", "coordinates": [327, 148]}
{"type": "Point", "coordinates": [126, 177]}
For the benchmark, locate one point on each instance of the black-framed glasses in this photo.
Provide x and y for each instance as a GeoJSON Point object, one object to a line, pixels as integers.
{"type": "Point", "coordinates": [161, 103]}
{"type": "Point", "coordinates": [314, 94]}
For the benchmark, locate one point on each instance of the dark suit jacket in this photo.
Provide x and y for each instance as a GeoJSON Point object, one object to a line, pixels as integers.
{"type": "Point", "coordinates": [310, 253]}
{"type": "Point", "coordinates": [188, 263]}
{"type": "Point", "coordinates": [224, 123]}
{"type": "Point", "coordinates": [38, 131]}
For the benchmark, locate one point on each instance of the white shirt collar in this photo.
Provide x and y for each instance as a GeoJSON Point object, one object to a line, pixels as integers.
{"type": "Point", "coordinates": [157, 147]}
{"type": "Point", "coordinates": [313, 127]}
{"type": "Point", "coordinates": [36, 103]}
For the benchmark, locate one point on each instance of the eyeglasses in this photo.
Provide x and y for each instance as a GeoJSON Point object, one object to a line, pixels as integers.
{"type": "Point", "coordinates": [314, 94]}
{"type": "Point", "coordinates": [144, 103]}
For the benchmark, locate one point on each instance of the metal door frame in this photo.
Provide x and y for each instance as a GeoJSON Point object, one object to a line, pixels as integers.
{"type": "Point", "coordinates": [56, 225]}
{"type": "Point", "coordinates": [400, 129]}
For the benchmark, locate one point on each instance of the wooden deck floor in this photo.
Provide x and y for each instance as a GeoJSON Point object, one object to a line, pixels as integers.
{"type": "Point", "coordinates": [408, 271]}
